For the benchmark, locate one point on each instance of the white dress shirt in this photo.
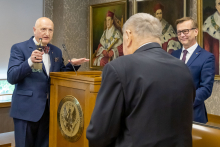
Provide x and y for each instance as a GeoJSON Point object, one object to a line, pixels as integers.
{"type": "Point", "coordinates": [189, 53]}
{"type": "Point", "coordinates": [46, 60]}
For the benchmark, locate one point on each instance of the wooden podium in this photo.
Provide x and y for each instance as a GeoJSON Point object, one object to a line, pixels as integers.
{"type": "Point", "coordinates": [71, 93]}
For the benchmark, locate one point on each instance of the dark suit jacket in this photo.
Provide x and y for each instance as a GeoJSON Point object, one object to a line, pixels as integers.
{"type": "Point", "coordinates": [202, 67]}
{"type": "Point", "coordinates": [145, 100]}
{"type": "Point", "coordinates": [31, 88]}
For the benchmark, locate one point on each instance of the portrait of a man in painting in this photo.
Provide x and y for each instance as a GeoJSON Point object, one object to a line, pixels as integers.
{"type": "Point", "coordinates": [106, 40]}
{"type": "Point", "coordinates": [167, 12]}
{"type": "Point", "coordinates": [111, 43]}
{"type": "Point", "coordinates": [211, 29]}
{"type": "Point", "coordinates": [169, 38]}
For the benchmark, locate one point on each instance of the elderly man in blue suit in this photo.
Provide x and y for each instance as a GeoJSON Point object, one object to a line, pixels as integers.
{"type": "Point", "coordinates": [200, 62]}
{"type": "Point", "coordinates": [30, 106]}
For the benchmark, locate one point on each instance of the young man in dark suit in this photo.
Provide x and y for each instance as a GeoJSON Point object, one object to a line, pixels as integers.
{"type": "Point", "coordinates": [200, 62]}
{"type": "Point", "coordinates": [146, 96]}
{"type": "Point", "coordinates": [30, 109]}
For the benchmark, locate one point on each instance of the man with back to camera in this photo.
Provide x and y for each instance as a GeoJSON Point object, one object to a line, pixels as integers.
{"type": "Point", "coordinates": [30, 106]}
{"type": "Point", "coordinates": [200, 62]}
{"type": "Point", "coordinates": [146, 96]}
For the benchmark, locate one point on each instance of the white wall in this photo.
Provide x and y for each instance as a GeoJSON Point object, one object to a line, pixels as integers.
{"type": "Point", "coordinates": [17, 18]}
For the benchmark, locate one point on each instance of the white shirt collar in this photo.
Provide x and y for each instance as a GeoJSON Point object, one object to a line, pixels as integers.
{"type": "Point", "coordinates": [191, 49]}
{"type": "Point", "coordinates": [189, 53]}
{"type": "Point", "coordinates": [35, 41]}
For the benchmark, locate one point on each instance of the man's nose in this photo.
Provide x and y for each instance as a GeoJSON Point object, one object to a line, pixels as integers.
{"type": "Point", "coordinates": [47, 32]}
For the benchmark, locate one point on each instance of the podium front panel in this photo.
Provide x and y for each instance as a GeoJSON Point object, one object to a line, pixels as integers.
{"type": "Point", "coordinates": [66, 86]}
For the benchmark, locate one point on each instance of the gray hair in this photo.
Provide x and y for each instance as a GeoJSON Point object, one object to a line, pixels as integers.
{"type": "Point", "coordinates": [144, 25]}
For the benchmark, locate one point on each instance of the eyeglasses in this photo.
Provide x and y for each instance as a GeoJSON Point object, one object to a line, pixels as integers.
{"type": "Point", "coordinates": [186, 31]}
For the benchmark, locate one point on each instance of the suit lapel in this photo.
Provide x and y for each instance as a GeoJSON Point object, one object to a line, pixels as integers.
{"type": "Point", "coordinates": [179, 53]}
{"type": "Point", "coordinates": [51, 54]}
{"type": "Point", "coordinates": [195, 54]}
{"type": "Point", "coordinates": [31, 44]}
{"type": "Point", "coordinates": [44, 69]}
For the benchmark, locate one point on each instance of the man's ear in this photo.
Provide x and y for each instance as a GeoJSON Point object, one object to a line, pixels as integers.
{"type": "Point", "coordinates": [129, 38]}
{"type": "Point", "coordinates": [196, 32]}
{"type": "Point", "coordinates": [34, 29]}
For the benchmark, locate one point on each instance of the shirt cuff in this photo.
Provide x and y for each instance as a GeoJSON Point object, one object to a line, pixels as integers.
{"type": "Point", "coordinates": [30, 62]}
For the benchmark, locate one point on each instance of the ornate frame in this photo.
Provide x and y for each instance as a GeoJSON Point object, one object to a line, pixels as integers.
{"type": "Point", "coordinates": [199, 20]}
{"type": "Point", "coordinates": [200, 25]}
{"type": "Point", "coordinates": [91, 41]}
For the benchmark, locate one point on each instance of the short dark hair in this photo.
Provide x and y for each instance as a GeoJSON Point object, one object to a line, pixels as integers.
{"type": "Point", "coordinates": [181, 20]}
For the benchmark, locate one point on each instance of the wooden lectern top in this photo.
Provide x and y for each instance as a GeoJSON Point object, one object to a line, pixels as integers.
{"type": "Point", "coordinates": [93, 76]}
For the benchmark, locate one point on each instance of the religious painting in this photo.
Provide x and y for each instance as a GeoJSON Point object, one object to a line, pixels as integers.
{"type": "Point", "coordinates": [167, 11]}
{"type": "Point", "coordinates": [209, 26]}
{"type": "Point", "coordinates": [106, 39]}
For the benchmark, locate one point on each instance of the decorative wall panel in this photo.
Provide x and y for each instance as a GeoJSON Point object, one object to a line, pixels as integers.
{"type": "Point", "coordinates": [76, 30]}
{"type": "Point", "coordinates": [213, 102]}
{"type": "Point", "coordinates": [48, 8]}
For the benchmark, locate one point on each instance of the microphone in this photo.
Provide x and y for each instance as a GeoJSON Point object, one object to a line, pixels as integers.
{"type": "Point", "coordinates": [64, 47]}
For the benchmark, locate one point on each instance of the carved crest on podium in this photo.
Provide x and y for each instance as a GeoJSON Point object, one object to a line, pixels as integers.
{"type": "Point", "coordinates": [70, 118]}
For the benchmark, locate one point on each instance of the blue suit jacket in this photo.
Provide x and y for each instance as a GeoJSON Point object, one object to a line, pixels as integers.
{"type": "Point", "coordinates": [31, 88]}
{"type": "Point", "coordinates": [202, 67]}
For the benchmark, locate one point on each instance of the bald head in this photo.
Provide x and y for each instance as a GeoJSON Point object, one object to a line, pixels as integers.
{"type": "Point", "coordinates": [42, 20]}
{"type": "Point", "coordinates": [43, 29]}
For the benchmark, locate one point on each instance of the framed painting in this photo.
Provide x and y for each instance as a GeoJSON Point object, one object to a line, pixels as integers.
{"type": "Point", "coordinates": [106, 40]}
{"type": "Point", "coordinates": [167, 12]}
{"type": "Point", "coordinates": [209, 29]}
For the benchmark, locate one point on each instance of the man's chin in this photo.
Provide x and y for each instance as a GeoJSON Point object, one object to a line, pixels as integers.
{"type": "Point", "coordinates": [184, 42]}
{"type": "Point", "coordinates": [45, 42]}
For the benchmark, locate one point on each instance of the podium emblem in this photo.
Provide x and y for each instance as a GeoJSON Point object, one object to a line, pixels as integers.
{"type": "Point", "coordinates": [70, 118]}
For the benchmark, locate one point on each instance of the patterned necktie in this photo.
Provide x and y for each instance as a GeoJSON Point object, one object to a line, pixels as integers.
{"type": "Point", "coordinates": [46, 49]}
{"type": "Point", "coordinates": [184, 55]}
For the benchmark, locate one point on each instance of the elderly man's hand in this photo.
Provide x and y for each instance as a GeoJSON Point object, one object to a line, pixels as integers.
{"type": "Point", "coordinates": [78, 61]}
{"type": "Point", "coordinates": [36, 56]}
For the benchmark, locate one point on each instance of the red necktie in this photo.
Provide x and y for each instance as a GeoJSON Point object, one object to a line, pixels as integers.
{"type": "Point", "coordinates": [46, 49]}
{"type": "Point", "coordinates": [184, 55]}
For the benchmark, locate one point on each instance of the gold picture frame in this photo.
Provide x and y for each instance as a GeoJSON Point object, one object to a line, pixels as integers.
{"type": "Point", "coordinates": [206, 6]}
{"type": "Point", "coordinates": [98, 15]}
{"type": "Point", "coordinates": [199, 20]}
